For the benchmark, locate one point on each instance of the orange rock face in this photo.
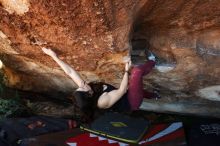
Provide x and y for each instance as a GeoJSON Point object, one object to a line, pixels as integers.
{"type": "Point", "coordinates": [185, 33]}
{"type": "Point", "coordinates": [93, 36]}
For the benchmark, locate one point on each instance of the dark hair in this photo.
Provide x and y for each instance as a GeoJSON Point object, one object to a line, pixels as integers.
{"type": "Point", "coordinates": [83, 100]}
{"type": "Point", "coordinates": [87, 102]}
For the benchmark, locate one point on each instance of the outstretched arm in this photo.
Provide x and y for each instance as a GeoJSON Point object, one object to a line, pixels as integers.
{"type": "Point", "coordinates": [108, 99]}
{"type": "Point", "coordinates": [66, 68]}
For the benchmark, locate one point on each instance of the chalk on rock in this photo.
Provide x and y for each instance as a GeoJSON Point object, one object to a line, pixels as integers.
{"type": "Point", "coordinates": [164, 67]}
{"type": "Point", "coordinates": [211, 93]}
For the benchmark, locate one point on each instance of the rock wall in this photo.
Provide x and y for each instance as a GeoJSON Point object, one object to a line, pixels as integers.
{"type": "Point", "coordinates": [93, 36]}
{"type": "Point", "coordinates": [185, 34]}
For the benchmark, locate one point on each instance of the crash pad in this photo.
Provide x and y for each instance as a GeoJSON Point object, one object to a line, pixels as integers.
{"type": "Point", "coordinates": [158, 135]}
{"type": "Point", "coordinates": [119, 127]}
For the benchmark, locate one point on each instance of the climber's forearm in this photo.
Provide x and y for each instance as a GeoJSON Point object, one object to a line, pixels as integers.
{"type": "Point", "coordinates": [124, 83]}
{"type": "Point", "coordinates": [69, 71]}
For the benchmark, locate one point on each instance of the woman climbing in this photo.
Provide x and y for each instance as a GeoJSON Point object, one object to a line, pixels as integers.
{"type": "Point", "coordinates": [91, 97]}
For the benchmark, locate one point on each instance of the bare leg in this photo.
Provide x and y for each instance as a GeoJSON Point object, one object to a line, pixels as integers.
{"type": "Point", "coordinates": [136, 92]}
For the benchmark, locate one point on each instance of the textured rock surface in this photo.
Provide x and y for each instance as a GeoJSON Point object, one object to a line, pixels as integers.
{"type": "Point", "coordinates": [93, 36]}
{"type": "Point", "coordinates": [185, 33]}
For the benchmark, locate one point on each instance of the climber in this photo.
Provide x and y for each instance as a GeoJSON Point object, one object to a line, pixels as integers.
{"type": "Point", "coordinates": [102, 96]}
